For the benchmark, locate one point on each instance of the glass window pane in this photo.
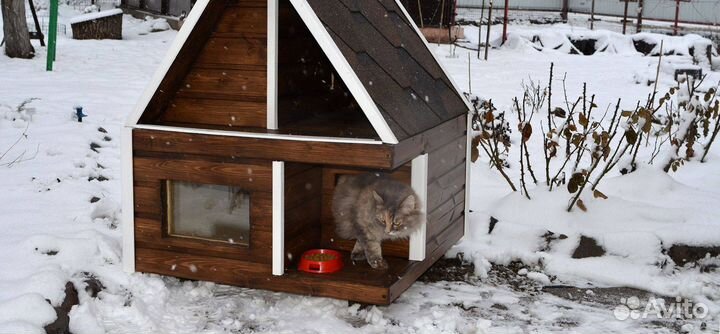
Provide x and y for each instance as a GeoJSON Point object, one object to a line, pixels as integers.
{"type": "Point", "coordinates": [214, 212]}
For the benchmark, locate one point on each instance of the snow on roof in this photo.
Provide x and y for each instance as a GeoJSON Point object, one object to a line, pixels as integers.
{"type": "Point", "coordinates": [95, 16]}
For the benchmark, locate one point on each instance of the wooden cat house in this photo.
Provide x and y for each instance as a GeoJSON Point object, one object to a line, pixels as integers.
{"type": "Point", "coordinates": [233, 152]}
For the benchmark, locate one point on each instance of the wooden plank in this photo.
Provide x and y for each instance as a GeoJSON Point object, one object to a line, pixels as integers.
{"type": "Point", "coordinates": [225, 84]}
{"type": "Point", "coordinates": [442, 160]}
{"type": "Point", "coordinates": [302, 201]}
{"type": "Point", "coordinates": [242, 51]}
{"type": "Point", "coordinates": [429, 140]}
{"type": "Point", "coordinates": [178, 70]}
{"type": "Point", "coordinates": [253, 177]}
{"type": "Point", "coordinates": [215, 112]}
{"type": "Point", "coordinates": [253, 20]}
{"type": "Point", "coordinates": [149, 234]}
{"type": "Point", "coordinates": [302, 217]}
{"type": "Point", "coordinates": [441, 188]}
{"type": "Point", "coordinates": [353, 283]}
{"type": "Point", "coordinates": [303, 240]}
{"type": "Point", "coordinates": [452, 234]}
{"type": "Point", "coordinates": [197, 266]}
{"type": "Point", "coordinates": [147, 199]}
{"type": "Point", "coordinates": [444, 216]}
{"type": "Point", "coordinates": [293, 169]}
{"type": "Point", "coordinates": [342, 154]}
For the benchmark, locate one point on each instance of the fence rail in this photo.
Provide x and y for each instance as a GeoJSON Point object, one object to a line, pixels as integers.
{"type": "Point", "coordinates": [693, 11]}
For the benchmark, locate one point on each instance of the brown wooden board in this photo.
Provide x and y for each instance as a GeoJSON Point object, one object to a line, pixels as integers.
{"type": "Point", "coordinates": [447, 157]}
{"type": "Point", "coordinates": [223, 81]}
{"type": "Point", "coordinates": [216, 112]}
{"type": "Point", "coordinates": [356, 282]}
{"type": "Point", "coordinates": [341, 154]}
{"type": "Point", "coordinates": [181, 65]}
{"type": "Point", "coordinates": [226, 84]}
{"type": "Point", "coordinates": [253, 177]}
{"type": "Point", "coordinates": [236, 51]}
{"type": "Point", "coordinates": [445, 187]}
{"type": "Point", "coordinates": [440, 217]}
{"type": "Point", "coordinates": [254, 21]}
{"type": "Point", "coordinates": [302, 211]}
{"type": "Point", "coordinates": [429, 141]}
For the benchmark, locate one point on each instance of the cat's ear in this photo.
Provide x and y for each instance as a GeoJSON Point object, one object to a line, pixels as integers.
{"type": "Point", "coordinates": [378, 199]}
{"type": "Point", "coordinates": [408, 204]}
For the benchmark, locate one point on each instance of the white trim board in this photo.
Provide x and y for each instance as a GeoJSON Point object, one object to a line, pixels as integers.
{"type": "Point", "coordinates": [437, 60]}
{"type": "Point", "coordinates": [128, 201]}
{"type": "Point", "coordinates": [468, 174]}
{"type": "Point", "coordinates": [419, 182]}
{"type": "Point", "coordinates": [272, 64]}
{"type": "Point", "coordinates": [188, 25]}
{"type": "Point", "coordinates": [347, 74]}
{"type": "Point", "coordinates": [275, 136]}
{"type": "Point", "coordinates": [278, 218]}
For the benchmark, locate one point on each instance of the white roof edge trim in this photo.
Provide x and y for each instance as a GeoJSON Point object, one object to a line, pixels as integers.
{"type": "Point", "coordinates": [348, 75]}
{"type": "Point", "coordinates": [437, 60]}
{"type": "Point", "coordinates": [274, 136]}
{"type": "Point", "coordinates": [170, 56]}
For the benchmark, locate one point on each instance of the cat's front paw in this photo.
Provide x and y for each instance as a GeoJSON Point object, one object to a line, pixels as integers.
{"type": "Point", "coordinates": [357, 256]}
{"type": "Point", "coordinates": [378, 263]}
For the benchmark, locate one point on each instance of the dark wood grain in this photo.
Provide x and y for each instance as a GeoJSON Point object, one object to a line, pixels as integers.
{"type": "Point", "coordinates": [254, 177]}
{"type": "Point", "coordinates": [183, 62]}
{"type": "Point", "coordinates": [227, 113]}
{"type": "Point", "coordinates": [444, 187]}
{"type": "Point", "coordinates": [342, 154]}
{"type": "Point", "coordinates": [429, 141]}
{"type": "Point", "coordinates": [355, 282]}
{"type": "Point", "coordinates": [445, 158]}
{"type": "Point", "coordinates": [149, 234]}
{"type": "Point", "coordinates": [225, 84]}
{"type": "Point", "coordinates": [254, 21]}
{"type": "Point", "coordinates": [239, 51]}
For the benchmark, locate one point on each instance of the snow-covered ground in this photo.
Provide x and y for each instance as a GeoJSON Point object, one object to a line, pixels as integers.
{"type": "Point", "coordinates": [60, 199]}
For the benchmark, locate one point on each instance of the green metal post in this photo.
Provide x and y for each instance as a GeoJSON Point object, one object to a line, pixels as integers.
{"type": "Point", "coordinates": [52, 34]}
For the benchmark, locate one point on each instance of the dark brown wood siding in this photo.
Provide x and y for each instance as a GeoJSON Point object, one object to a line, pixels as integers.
{"type": "Point", "coordinates": [151, 231]}
{"type": "Point", "coordinates": [341, 154]}
{"type": "Point", "coordinates": [303, 201]}
{"type": "Point", "coordinates": [446, 183]}
{"type": "Point", "coordinates": [227, 83]}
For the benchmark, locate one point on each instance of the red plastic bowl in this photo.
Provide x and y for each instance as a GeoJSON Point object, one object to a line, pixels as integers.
{"type": "Point", "coordinates": [307, 264]}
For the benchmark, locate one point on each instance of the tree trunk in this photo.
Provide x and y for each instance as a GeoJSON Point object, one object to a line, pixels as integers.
{"type": "Point", "coordinates": [15, 30]}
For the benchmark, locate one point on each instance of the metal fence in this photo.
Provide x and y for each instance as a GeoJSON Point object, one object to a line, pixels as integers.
{"type": "Point", "coordinates": [693, 11]}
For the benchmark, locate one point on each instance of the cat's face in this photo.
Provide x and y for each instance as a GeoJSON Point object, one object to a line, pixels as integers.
{"type": "Point", "coordinates": [400, 220]}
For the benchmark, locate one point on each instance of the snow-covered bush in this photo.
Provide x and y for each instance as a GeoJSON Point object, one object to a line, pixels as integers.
{"type": "Point", "coordinates": [581, 145]}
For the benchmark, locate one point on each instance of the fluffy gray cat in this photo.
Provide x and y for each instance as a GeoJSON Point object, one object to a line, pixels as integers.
{"type": "Point", "coordinates": [371, 208]}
